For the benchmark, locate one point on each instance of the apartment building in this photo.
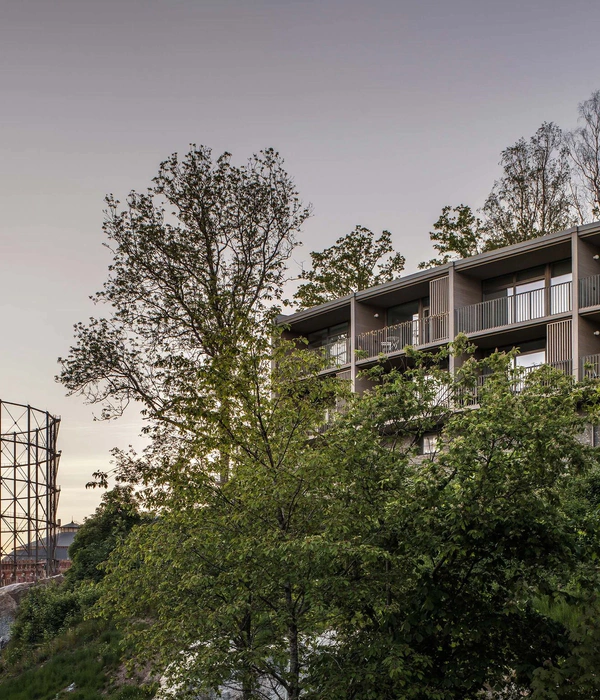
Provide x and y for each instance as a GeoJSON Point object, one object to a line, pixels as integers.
{"type": "Point", "coordinates": [542, 296]}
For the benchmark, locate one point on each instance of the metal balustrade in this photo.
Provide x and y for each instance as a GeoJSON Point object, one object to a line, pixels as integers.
{"type": "Point", "coordinates": [517, 308]}
{"type": "Point", "coordinates": [446, 396]}
{"type": "Point", "coordinates": [335, 353]}
{"type": "Point", "coordinates": [518, 378]}
{"type": "Point", "coordinates": [590, 366]}
{"type": "Point", "coordinates": [589, 291]}
{"type": "Point", "coordinates": [391, 339]}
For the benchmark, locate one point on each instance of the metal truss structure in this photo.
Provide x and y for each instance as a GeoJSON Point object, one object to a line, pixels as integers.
{"type": "Point", "coordinates": [28, 492]}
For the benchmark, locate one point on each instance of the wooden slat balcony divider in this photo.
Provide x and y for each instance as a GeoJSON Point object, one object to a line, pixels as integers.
{"type": "Point", "coordinates": [510, 310]}
{"type": "Point", "coordinates": [391, 339]}
{"type": "Point", "coordinates": [589, 291]}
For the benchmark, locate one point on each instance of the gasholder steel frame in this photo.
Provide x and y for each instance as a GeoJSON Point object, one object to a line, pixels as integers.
{"type": "Point", "coordinates": [29, 492]}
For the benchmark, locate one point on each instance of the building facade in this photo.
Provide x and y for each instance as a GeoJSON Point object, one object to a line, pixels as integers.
{"type": "Point", "coordinates": [542, 296]}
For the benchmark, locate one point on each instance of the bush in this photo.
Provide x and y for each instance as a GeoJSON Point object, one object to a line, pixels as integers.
{"type": "Point", "coordinates": [45, 612]}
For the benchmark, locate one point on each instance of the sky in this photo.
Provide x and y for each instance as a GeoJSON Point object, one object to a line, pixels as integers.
{"type": "Point", "coordinates": [384, 112]}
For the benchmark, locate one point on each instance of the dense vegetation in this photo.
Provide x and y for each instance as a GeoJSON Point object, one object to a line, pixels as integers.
{"type": "Point", "coordinates": [306, 542]}
{"type": "Point", "coordinates": [54, 646]}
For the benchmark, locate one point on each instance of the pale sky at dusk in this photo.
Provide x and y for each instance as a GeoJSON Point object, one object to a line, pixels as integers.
{"type": "Point", "coordinates": [384, 112]}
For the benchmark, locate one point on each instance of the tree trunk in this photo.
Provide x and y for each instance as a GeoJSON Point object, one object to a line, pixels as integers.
{"type": "Point", "coordinates": [294, 682]}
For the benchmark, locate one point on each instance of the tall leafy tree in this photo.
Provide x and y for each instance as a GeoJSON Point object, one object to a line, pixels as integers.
{"type": "Point", "coordinates": [356, 261]}
{"type": "Point", "coordinates": [445, 556]}
{"type": "Point", "coordinates": [345, 564]}
{"type": "Point", "coordinates": [112, 522]}
{"type": "Point", "coordinates": [583, 144]}
{"type": "Point", "coordinates": [535, 195]}
{"type": "Point", "coordinates": [532, 197]}
{"type": "Point", "coordinates": [227, 577]}
{"type": "Point", "coordinates": [198, 260]}
{"type": "Point", "coordinates": [458, 233]}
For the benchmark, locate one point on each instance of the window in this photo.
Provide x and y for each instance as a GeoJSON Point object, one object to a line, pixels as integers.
{"type": "Point", "coordinates": [524, 293]}
{"type": "Point", "coordinates": [334, 341]}
{"type": "Point", "coordinates": [411, 313]}
{"type": "Point", "coordinates": [531, 359]}
{"type": "Point", "coordinates": [560, 289]}
{"type": "Point", "coordinates": [429, 443]}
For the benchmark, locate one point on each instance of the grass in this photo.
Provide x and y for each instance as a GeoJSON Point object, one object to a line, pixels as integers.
{"type": "Point", "coordinates": [87, 655]}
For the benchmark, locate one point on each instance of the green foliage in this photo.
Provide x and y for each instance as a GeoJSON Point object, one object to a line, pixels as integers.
{"type": "Point", "coordinates": [346, 565]}
{"type": "Point", "coordinates": [88, 655]}
{"type": "Point", "coordinates": [226, 576]}
{"type": "Point", "coordinates": [356, 261]}
{"type": "Point", "coordinates": [198, 260]}
{"type": "Point", "coordinates": [45, 611]}
{"type": "Point", "coordinates": [48, 610]}
{"type": "Point", "coordinates": [114, 518]}
{"type": "Point", "coordinates": [534, 196]}
{"type": "Point", "coordinates": [458, 233]}
{"type": "Point", "coordinates": [583, 144]}
{"type": "Point", "coordinates": [445, 553]}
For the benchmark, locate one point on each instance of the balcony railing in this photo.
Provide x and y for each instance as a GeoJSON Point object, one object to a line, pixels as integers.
{"type": "Point", "coordinates": [517, 308]}
{"type": "Point", "coordinates": [589, 291]}
{"type": "Point", "coordinates": [590, 366]}
{"type": "Point", "coordinates": [392, 339]}
{"type": "Point", "coordinates": [518, 377]}
{"type": "Point", "coordinates": [335, 353]}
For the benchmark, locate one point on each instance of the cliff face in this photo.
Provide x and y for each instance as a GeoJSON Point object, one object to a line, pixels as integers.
{"type": "Point", "coordinates": [10, 599]}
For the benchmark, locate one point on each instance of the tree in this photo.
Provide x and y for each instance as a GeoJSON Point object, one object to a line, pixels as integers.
{"type": "Point", "coordinates": [443, 559]}
{"type": "Point", "coordinates": [343, 564]}
{"type": "Point", "coordinates": [583, 145]}
{"type": "Point", "coordinates": [227, 577]}
{"type": "Point", "coordinates": [458, 233]}
{"type": "Point", "coordinates": [356, 261]}
{"type": "Point", "coordinates": [532, 198]}
{"type": "Point", "coordinates": [113, 520]}
{"type": "Point", "coordinates": [198, 261]}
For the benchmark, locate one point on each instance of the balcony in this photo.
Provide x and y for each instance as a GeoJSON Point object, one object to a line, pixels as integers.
{"type": "Point", "coordinates": [514, 309]}
{"type": "Point", "coordinates": [336, 353]}
{"type": "Point", "coordinates": [589, 292]}
{"type": "Point", "coordinates": [518, 378]}
{"type": "Point", "coordinates": [590, 366]}
{"type": "Point", "coordinates": [393, 339]}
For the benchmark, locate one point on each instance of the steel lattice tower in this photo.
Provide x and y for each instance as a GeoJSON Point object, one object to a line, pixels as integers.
{"type": "Point", "coordinates": [28, 491]}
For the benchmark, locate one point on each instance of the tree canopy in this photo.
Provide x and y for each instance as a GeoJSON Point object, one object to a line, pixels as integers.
{"type": "Point", "coordinates": [113, 520]}
{"type": "Point", "coordinates": [356, 261]}
{"type": "Point", "coordinates": [548, 183]}
{"type": "Point", "coordinates": [583, 144]}
{"type": "Point", "coordinates": [532, 197]}
{"type": "Point", "coordinates": [458, 233]}
{"type": "Point", "coordinates": [345, 563]}
{"type": "Point", "coordinates": [198, 260]}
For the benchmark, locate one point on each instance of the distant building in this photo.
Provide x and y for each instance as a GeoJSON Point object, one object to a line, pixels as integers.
{"type": "Point", "coordinates": [26, 569]}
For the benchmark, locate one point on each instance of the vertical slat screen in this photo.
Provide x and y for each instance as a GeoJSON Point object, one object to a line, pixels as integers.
{"type": "Point", "coordinates": [438, 296]}
{"type": "Point", "coordinates": [559, 348]}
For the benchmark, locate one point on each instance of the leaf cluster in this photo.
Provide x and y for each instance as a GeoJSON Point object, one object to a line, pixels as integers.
{"type": "Point", "coordinates": [356, 261]}
{"type": "Point", "coordinates": [345, 564]}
